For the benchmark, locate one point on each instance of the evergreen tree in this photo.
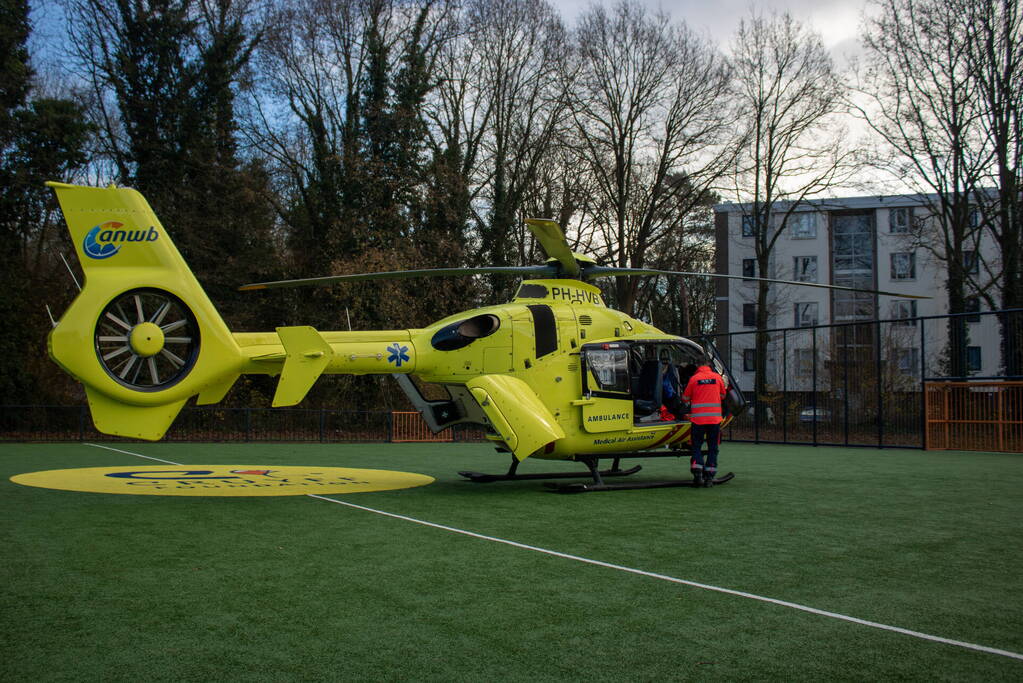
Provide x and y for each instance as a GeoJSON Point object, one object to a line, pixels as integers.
{"type": "Point", "coordinates": [40, 140]}
{"type": "Point", "coordinates": [172, 69]}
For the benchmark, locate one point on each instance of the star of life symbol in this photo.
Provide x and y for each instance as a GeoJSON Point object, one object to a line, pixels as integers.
{"type": "Point", "coordinates": [398, 355]}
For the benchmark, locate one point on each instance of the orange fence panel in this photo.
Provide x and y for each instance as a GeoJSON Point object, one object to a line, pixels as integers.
{"type": "Point", "coordinates": [974, 416]}
{"type": "Point", "coordinates": [410, 426]}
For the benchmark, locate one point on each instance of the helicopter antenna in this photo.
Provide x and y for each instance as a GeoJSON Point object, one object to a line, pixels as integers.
{"type": "Point", "coordinates": [72, 273]}
{"type": "Point", "coordinates": [50, 313]}
{"type": "Point", "coordinates": [349, 319]}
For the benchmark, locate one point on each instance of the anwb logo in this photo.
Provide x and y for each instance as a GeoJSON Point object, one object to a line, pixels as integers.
{"type": "Point", "coordinates": [105, 240]}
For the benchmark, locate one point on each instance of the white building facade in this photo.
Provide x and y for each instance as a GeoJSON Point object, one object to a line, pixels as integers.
{"type": "Point", "coordinates": [881, 243]}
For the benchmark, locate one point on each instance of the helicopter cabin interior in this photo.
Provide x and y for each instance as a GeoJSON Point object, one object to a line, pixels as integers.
{"type": "Point", "coordinates": [649, 374]}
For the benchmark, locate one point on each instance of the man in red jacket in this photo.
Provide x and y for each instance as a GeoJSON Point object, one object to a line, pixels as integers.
{"type": "Point", "coordinates": [704, 393]}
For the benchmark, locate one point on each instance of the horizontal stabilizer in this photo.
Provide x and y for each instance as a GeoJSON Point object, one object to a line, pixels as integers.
{"type": "Point", "coordinates": [308, 354]}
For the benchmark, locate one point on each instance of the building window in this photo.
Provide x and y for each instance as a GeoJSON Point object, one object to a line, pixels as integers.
{"type": "Point", "coordinates": [974, 217]}
{"type": "Point", "coordinates": [899, 220]}
{"type": "Point", "coordinates": [972, 305]}
{"type": "Point", "coordinates": [749, 267]}
{"type": "Point", "coordinates": [907, 361]}
{"type": "Point", "coordinates": [802, 225]}
{"type": "Point", "coordinates": [749, 315]}
{"type": "Point", "coordinates": [805, 268]}
{"type": "Point", "coordinates": [853, 265]}
{"type": "Point", "coordinates": [804, 362]}
{"type": "Point", "coordinates": [806, 314]}
{"type": "Point", "coordinates": [973, 358]}
{"type": "Point", "coordinates": [971, 264]}
{"type": "Point", "coordinates": [749, 226]}
{"type": "Point", "coordinates": [749, 360]}
{"type": "Point", "coordinates": [904, 311]}
{"type": "Point", "coordinates": [904, 265]}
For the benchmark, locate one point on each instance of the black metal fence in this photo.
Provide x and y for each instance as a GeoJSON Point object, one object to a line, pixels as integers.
{"type": "Point", "coordinates": [212, 423]}
{"type": "Point", "coordinates": [862, 383]}
{"type": "Point", "coordinates": [854, 384]}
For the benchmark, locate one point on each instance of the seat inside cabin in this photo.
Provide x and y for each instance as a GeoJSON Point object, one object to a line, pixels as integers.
{"type": "Point", "coordinates": [651, 365]}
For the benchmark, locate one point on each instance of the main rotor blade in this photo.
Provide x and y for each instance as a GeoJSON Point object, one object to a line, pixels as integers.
{"type": "Point", "coordinates": [528, 271]}
{"type": "Point", "coordinates": [552, 239]}
{"type": "Point", "coordinates": [603, 271]}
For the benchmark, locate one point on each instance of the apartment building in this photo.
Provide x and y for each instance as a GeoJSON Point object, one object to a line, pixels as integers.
{"type": "Point", "coordinates": [877, 242]}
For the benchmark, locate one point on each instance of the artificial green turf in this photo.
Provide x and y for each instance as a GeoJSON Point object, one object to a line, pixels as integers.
{"type": "Point", "coordinates": [118, 587]}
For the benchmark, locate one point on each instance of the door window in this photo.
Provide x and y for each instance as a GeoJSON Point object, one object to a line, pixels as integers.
{"type": "Point", "coordinates": [609, 369]}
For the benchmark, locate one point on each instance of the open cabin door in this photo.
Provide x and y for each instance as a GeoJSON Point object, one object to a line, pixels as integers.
{"type": "Point", "coordinates": [621, 378]}
{"type": "Point", "coordinates": [607, 395]}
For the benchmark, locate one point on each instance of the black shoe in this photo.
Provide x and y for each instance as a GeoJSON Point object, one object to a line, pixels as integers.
{"type": "Point", "coordinates": [697, 478]}
{"type": "Point", "coordinates": [708, 479]}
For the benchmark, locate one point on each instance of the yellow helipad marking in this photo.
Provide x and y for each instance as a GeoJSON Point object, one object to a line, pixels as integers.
{"type": "Point", "coordinates": [221, 480]}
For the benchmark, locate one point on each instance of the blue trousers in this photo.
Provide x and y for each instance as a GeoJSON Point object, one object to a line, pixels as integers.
{"type": "Point", "coordinates": [712, 434]}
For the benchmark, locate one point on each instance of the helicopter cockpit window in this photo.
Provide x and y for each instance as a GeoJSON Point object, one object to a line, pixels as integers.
{"type": "Point", "coordinates": [609, 369]}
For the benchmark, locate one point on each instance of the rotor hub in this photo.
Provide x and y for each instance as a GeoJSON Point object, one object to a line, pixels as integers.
{"type": "Point", "coordinates": [146, 339]}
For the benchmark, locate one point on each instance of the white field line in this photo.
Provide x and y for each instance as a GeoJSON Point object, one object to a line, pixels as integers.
{"type": "Point", "coordinates": [652, 575]}
{"type": "Point", "coordinates": [96, 445]}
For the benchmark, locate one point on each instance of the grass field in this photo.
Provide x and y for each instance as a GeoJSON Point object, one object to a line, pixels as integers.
{"type": "Point", "coordinates": [103, 587]}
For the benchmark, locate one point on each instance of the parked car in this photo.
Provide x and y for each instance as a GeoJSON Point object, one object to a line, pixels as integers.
{"type": "Point", "coordinates": [815, 415]}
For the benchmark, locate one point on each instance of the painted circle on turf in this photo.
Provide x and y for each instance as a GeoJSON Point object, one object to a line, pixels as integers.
{"type": "Point", "coordinates": [221, 480]}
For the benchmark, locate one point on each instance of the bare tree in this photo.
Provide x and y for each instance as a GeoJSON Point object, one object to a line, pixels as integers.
{"type": "Point", "coordinates": [523, 85]}
{"type": "Point", "coordinates": [651, 104]}
{"type": "Point", "coordinates": [995, 61]}
{"type": "Point", "coordinates": [683, 305]}
{"type": "Point", "coordinates": [789, 95]}
{"type": "Point", "coordinates": [923, 102]}
{"type": "Point", "coordinates": [458, 115]}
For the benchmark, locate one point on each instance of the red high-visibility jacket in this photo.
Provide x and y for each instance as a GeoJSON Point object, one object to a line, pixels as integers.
{"type": "Point", "coordinates": [704, 392]}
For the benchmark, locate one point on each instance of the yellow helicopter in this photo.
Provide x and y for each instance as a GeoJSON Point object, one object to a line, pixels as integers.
{"type": "Point", "coordinates": [554, 374]}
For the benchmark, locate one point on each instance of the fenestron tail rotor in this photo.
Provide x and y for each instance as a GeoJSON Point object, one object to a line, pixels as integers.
{"type": "Point", "coordinates": [147, 339]}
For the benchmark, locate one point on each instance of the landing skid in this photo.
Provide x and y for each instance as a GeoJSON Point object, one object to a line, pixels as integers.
{"type": "Point", "coordinates": [579, 487]}
{"type": "Point", "coordinates": [481, 478]}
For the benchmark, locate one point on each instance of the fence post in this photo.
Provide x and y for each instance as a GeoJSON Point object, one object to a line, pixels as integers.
{"type": "Point", "coordinates": [813, 382]}
{"type": "Point", "coordinates": [845, 382]}
{"type": "Point", "coordinates": [390, 427]}
{"type": "Point", "coordinates": [880, 394]}
{"type": "Point", "coordinates": [784, 386]}
{"type": "Point", "coordinates": [923, 386]}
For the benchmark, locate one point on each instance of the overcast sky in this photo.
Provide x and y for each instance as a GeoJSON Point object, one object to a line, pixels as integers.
{"type": "Point", "coordinates": [837, 21]}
